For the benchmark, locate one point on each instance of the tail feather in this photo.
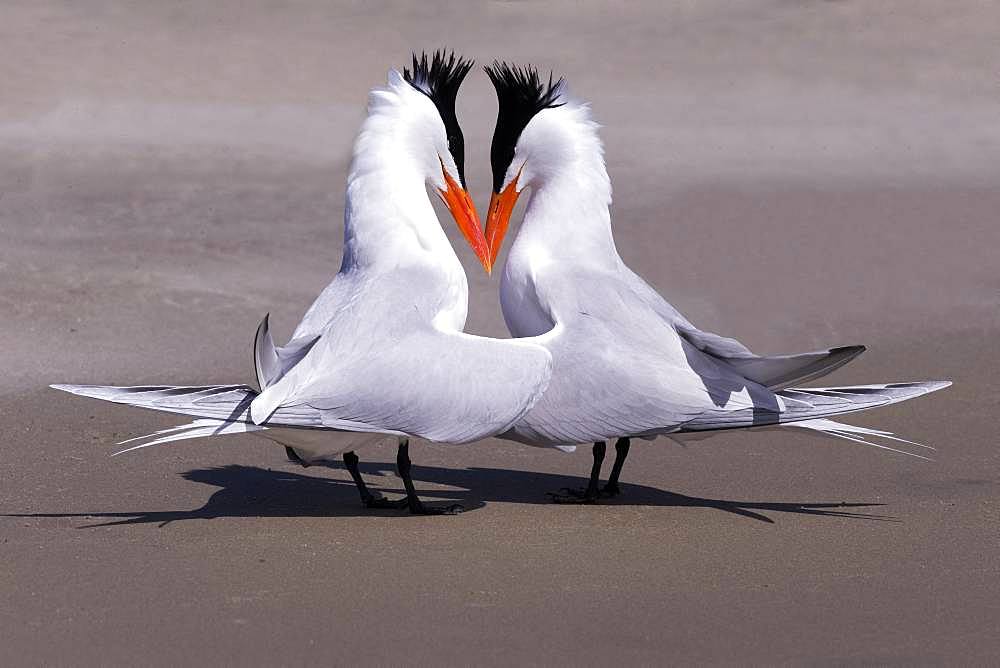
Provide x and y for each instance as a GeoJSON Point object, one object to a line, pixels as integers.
{"type": "Point", "coordinates": [228, 403]}
{"type": "Point", "coordinates": [200, 428]}
{"type": "Point", "coordinates": [814, 402]}
{"type": "Point", "coordinates": [221, 402]}
{"type": "Point", "coordinates": [796, 404]}
{"type": "Point", "coordinates": [810, 408]}
{"type": "Point", "coordinates": [857, 434]}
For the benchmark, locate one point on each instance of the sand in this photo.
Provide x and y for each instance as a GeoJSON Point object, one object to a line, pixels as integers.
{"type": "Point", "coordinates": [797, 175]}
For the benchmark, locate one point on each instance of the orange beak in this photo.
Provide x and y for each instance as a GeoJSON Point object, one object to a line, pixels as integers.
{"type": "Point", "coordinates": [464, 212]}
{"type": "Point", "coordinates": [501, 206]}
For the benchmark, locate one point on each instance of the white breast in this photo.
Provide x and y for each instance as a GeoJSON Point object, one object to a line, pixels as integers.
{"type": "Point", "coordinates": [522, 310]}
{"type": "Point", "coordinates": [455, 299]}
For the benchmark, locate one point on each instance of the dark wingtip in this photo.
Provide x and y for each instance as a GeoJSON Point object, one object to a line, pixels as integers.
{"type": "Point", "coordinates": [854, 350]}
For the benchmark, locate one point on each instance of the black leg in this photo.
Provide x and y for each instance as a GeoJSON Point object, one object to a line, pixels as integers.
{"type": "Point", "coordinates": [368, 500]}
{"type": "Point", "coordinates": [593, 492]}
{"type": "Point", "coordinates": [294, 456]}
{"type": "Point", "coordinates": [417, 507]}
{"type": "Point", "coordinates": [621, 453]}
{"type": "Point", "coordinates": [600, 448]}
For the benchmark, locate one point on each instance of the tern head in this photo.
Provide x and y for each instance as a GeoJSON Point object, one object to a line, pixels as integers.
{"type": "Point", "coordinates": [438, 79]}
{"type": "Point", "coordinates": [524, 147]}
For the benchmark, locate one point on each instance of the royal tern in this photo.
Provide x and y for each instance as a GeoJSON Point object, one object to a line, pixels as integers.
{"type": "Point", "coordinates": [381, 351]}
{"type": "Point", "coordinates": [625, 362]}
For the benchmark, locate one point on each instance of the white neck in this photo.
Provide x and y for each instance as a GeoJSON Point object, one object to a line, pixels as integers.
{"type": "Point", "coordinates": [567, 215]}
{"type": "Point", "coordinates": [388, 217]}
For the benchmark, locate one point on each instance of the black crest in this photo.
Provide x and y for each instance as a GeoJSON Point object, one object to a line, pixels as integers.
{"type": "Point", "coordinates": [520, 95]}
{"type": "Point", "coordinates": [439, 79]}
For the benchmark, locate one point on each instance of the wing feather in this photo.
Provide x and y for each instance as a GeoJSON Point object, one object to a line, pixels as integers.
{"type": "Point", "coordinates": [441, 386]}
{"type": "Point", "coordinates": [772, 371]}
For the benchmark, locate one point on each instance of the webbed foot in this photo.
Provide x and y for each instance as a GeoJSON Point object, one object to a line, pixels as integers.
{"type": "Point", "coordinates": [421, 508]}
{"type": "Point", "coordinates": [578, 495]}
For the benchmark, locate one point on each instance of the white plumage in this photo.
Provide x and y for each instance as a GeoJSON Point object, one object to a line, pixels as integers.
{"type": "Point", "coordinates": [625, 362]}
{"type": "Point", "coordinates": [381, 351]}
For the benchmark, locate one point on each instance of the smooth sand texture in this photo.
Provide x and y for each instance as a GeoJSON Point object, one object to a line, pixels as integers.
{"type": "Point", "coordinates": [796, 174]}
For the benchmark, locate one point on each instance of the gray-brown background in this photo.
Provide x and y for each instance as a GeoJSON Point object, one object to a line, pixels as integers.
{"type": "Point", "coordinates": [797, 174]}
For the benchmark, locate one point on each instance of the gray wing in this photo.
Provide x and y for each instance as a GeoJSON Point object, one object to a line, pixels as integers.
{"type": "Point", "coordinates": [416, 380]}
{"type": "Point", "coordinates": [811, 403]}
{"type": "Point", "coordinates": [366, 358]}
{"type": "Point", "coordinates": [772, 371]}
{"type": "Point", "coordinates": [272, 362]}
{"type": "Point", "coordinates": [379, 361]}
{"type": "Point", "coordinates": [227, 403]}
{"type": "Point", "coordinates": [621, 369]}
{"type": "Point", "coordinates": [607, 391]}
{"type": "Point", "coordinates": [444, 387]}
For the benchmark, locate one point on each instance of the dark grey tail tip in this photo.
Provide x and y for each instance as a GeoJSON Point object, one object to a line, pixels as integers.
{"type": "Point", "coordinates": [855, 350]}
{"type": "Point", "coordinates": [934, 385]}
{"type": "Point", "coordinates": [929, 385]}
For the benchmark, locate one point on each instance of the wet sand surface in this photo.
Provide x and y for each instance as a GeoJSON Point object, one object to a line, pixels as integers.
{"type": "Point", "coordinates": [797, 175]}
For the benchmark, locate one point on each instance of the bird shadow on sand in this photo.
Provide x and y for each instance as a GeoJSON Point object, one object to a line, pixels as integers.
{"type": "Point", "coordinates": [246, 491]}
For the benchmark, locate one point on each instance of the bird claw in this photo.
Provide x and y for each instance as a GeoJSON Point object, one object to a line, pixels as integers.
{"type": "Point", "coordinates": [294, 458]}
{"type": "Point", "coordinates": [376, 500]}
{"type": "Point", "coordinates": [569, 495]}
{"type": "Point", "coordinates": [583, 495]}
{"type": "Point", "coordinates": [422, 509]}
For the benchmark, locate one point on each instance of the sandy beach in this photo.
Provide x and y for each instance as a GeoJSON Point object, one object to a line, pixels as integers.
{"type": "Point", "coordinates": [794, 174]}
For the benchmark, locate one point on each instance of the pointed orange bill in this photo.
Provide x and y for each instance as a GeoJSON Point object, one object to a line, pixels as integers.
{"type": "Point", "coordinates": [498, 218]}
{"type": "Point", "coordinates": [464, 212]}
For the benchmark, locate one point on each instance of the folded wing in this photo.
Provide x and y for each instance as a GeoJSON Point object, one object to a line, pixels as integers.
{"type": "Point", "coordinates": [772, 371]}
{"type": "Point", "coordinates": [797, 404]}
{"type": "Point", "coordinates": [442, 386]}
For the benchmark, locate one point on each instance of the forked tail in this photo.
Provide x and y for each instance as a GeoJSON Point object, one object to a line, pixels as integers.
{"type": "Point", "coordinates": [230, 403]}
{"type": "Point", "coordinates": [218, 409]}
{"type": "Point", "coordinates": [810, 408]}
